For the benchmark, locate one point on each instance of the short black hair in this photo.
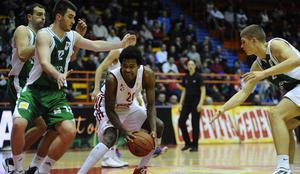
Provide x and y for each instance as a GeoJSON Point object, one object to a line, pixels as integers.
{"type": "Point", "coordinates": [62, 6]}
{"type": "Point", "coordinates": [252, 31]}
{"type": "Point", "coordinates": [29, 9]}
{"type": "Point", "coordinates": [131, 52]}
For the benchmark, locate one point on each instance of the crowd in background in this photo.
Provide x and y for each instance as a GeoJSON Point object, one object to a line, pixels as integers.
{"type": "Point", "coordinates": [166, 44]}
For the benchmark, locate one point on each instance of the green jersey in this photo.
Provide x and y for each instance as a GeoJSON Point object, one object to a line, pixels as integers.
{"type": "Point", "coordinates": [61, 50]}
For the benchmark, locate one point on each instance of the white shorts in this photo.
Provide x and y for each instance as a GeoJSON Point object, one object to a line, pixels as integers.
{"type": "Point", "coordinates": [132, 119]}
{"type": "Point", "coordinates": [294, 95]}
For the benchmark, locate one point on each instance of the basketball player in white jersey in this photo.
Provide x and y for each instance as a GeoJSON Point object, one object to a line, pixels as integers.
{"type": "Point", "coordinates": [110, 63]}
{"type": "Point", "coordinates": [116, 110]}
{"type": "Point", "coordinates": [44, 90]}
{"type": "Point", "coordinates": [279, 62]}
{"type": "Point", "coordinates": [23, 44]}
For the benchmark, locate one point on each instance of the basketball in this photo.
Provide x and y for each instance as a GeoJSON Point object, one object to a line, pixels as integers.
{"type": "Point", "coordinates": [142, 145]}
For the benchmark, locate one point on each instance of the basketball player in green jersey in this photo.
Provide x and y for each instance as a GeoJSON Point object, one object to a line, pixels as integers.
{"type": "Point", "coordinates": [22, 62]}
{"type": "Point", "coordinates": [44, 92]}
{"type": "Point", "coordinates": [279, 62]}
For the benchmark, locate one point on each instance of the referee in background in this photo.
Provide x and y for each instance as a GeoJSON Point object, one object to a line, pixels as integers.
{"type": "Point", "coordinates": [191, 101]}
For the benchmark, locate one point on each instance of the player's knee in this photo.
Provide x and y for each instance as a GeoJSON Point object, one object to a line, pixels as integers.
{"type": "Point", "coordinates": [19, 124]}
{"type": "Point", "coordinates": [110, 137]}
{"type": "Point", "coordinates": [69, 132]}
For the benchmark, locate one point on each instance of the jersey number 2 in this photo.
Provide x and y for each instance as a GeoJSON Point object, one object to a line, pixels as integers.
{"type": "Point", "coordinates": [130, 97]}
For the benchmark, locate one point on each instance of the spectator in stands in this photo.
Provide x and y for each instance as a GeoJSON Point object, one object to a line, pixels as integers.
{"type": "Point", "coordinates": [264, 18]}
{"type": "Point", "coordinates": [191, 32]}
{"type": "Point", "coordinates": [216, 67]}
{"type": "Point", "coordinates": [134, 21]}
{"type": "Point", "coordinates": [91, 15]}
{"type": "Point", "coordinates": [100, 30]}
{"type": "Point", "coordinates": [161, 99]}
{"type": "Point", "coordinates": [11, 22]}
{"type": "Point", "coordinates": [181, 21]}
{"type": "Point", "coordinates": [165, 21]}
{"type": "Point", "coordinates": [112, 37]}
{"type": "Point", "coordinates": [161, 56]}
{"type": "Point", "coordinates": [194, 55]}
{"type": "Point", "coordinates": [146, 33]}
{"type": "Point", "coordinates": [191, 101]}
{"type": "Point", "coordinates": [157, 32]}
{"type": "Point", "coordinates": [170, 66]}
{"type": "Point", "coordinates": [176, 31]}
{"type": "Point", "coordinates": [173, 100]}
{"type": "Point", "coordinates": [178, 44]}
{"type": "Point", "coordinates": [173, 52]}
{"type": "Point", "coordinates": [108, 19]}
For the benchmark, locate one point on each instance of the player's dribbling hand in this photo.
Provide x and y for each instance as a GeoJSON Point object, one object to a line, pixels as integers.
{"type": "Point", "coordinates": [217, 115]}
{"type": "Point", "coordinates": [129, 40]}
{"type": "Point", "coordinates": [153, 135]}
{"type": "Point", "coordinates": [81, 27]}
{"type": "Point", "coordinates": [129, 136]}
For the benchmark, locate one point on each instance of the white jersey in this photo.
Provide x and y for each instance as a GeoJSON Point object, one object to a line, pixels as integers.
{"type": "Point", "coordinates": [16, 63]}
{"type": "Point", "coordinates": [286, 81]}
{"type": "Point", "coordinates": [295, 73]}
{"type": "Point", "coordinates": [125, 95]}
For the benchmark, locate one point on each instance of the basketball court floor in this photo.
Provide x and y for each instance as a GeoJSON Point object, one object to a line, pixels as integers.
{"type": "Point", "coordinates": [210, 159]}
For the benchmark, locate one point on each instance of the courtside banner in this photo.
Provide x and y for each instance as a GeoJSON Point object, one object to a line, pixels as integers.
{"type": "Point", "coordinates": [245, 124]}
{"type": "Point", "coordinates": [253, 124]}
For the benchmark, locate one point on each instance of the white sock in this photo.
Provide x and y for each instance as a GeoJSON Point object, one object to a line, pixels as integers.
{"type": "Point", "coordinates": [18, 162]}
{"type": "Point", "coordinates": [36, 161]}
{"type": "Point", "coordinates": [108, 154]}
{"type": "Point", "coordinates": [95, 155]}
{"type": "Point", "coordinates": [46, 166]}
{"type": "Point", "coordinates": [283, 161]}
{"type": "Point", "coordinates": [145, 159]}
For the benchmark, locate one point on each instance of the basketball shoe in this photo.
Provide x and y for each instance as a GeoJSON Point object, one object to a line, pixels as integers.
{"type": "Point", "coordinates": [160, 150]}
{"type": "Point", "coordinates": [8, 165]}
{"type": "Point", "coordinates": [282, 170]}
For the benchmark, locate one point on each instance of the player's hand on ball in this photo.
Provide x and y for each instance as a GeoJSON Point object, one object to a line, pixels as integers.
{"type": "Point", "coordinates": [129, 136]}
{"type": "Point", "coordinates": [153, 135]}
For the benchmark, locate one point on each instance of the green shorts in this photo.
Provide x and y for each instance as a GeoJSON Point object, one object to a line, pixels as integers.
{"type": "Point", "coordinates": [50, 103]}
{"type": "Point", "coordinates": [14, 87]}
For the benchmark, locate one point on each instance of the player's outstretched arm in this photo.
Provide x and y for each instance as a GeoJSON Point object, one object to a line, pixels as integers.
{"type": "Point", "coordinates": [109, 59]}
{"type": "Point", "coordinates": [149, 85]}
{"type": "Point", "coordinates": [240, 96]}
{"type": "Point", "coordinates": [287, 58]}
{"type": "Point", "coordinates": [24, 49]}
{"type": "Point", "coordinates": [98, 45]}
{"type": "Point", "coordinates": [110, 102]}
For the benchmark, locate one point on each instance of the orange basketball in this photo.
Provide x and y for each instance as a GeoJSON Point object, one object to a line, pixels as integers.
{"type": "Point", "coordinates": [142, 145]}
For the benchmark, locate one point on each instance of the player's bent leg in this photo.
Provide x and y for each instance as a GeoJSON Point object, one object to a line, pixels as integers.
{"type": "Point", "coordinates": [66, 133]}
{"type": "Point", "coordinates": [34, 133]}
{"type": "Point", "coordinates": [292, 124]}
{"type": "Point", "coordinates": [278, 115]}
{"type": "Point", "coordinates": [42, 151]}
{"type": "Point", "coordinates": [18, 141]}
{"type": "Point", "coordinates": [108, 139]}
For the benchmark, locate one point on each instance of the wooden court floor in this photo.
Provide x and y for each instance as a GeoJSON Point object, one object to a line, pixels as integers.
{"type": "Point", "coordinates": [210, 159]}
